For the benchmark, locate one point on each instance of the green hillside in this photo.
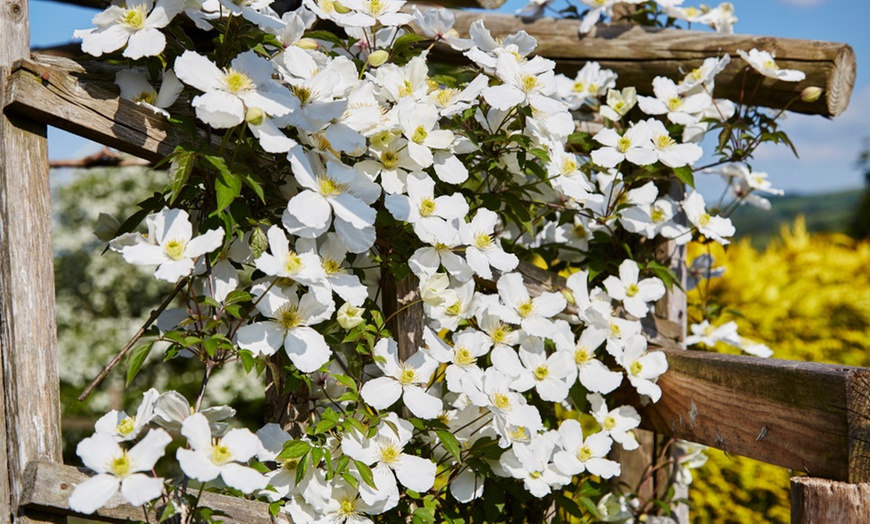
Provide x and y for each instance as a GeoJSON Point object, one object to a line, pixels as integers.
{"type": "Point", "coordinates": [829, 212]}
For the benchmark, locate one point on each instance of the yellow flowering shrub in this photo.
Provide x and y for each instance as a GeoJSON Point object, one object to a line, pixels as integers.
{"type": "Point", "coordinates": [808, 298]}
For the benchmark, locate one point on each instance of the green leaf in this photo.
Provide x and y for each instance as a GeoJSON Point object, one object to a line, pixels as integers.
{"type": "Point", "coordinates": [685, 175]}
{"type": "Point", "coordinates": [365, 473]}
{"type": "Point", "coordinates": [136, 359]}
{"type": "Point", "coordinates": [179, 170]}
{"type": "Point", "coordinates": [238, 296]}
{"type": "Point", "coordinates": [423, 516]}
{"type": "Point", "coordinates": [247, 359]}
{"type": "Point", "coordinates": [450, 443]}
{"type": "Point", "coordinates": [568, 505]}
{"type": "Point", "coordinates": [294, 449]}
{"type": "Point", "coordinates": [316, 455]}
{"type": "Point", "coordinates": [324, 425]}
{"type": "Point", "coordinates": [168, 512]}
{"type": "Point", "coordinates": [227, 185]}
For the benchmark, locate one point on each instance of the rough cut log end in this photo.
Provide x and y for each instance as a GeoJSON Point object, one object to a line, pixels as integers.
{"type": "Point", "coordinates": [816, 500]}
{"type": "Point", "coordinates": [841, 81]}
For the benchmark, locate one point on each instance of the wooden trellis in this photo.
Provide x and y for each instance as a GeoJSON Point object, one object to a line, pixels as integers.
{"type": "Point", "coordinates": [813, 418]}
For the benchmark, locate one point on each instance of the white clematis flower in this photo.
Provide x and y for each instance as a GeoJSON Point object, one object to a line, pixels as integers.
{"type": "Point", "coordinates": [118, 469]}
{"type": "Point", "coordinates": [334, 195]}
{"type": "Point", "coordinates": [581, 454]}
{"type": "Point", "coordinates": [282, 262]}
{"type": "Point", "coordinates": [228, 94]}
{"type": "Point", "coordinates": [210, 458]}
{"type": "Point", "coordinates": [123, 427]}
{"type": "Point", "coordinates": [643, 368]}
{"type": "Point", "coordinates": [635, 294]}
{"type": "Point", "coordinates": [617, 422]}
{"type": "Point", "coordinates": [135, 87]}
{"type": "Point", "coordinates": [764, 63]}
{"type": "Point", "coordinates": [385, 453]}
{"type": "Point", "coordinates": [635, 145]}
{"type": "Point", "coordinates": [404, 380]}
{"type": "Point", "coordinates": [715, 227]}
{"type": "Point", "coordinates": [135, 25]}
{"type": "Point", "coordinates": [171, 245]}
{"type": "Point", "coordinates": [290, 324]}
{"type": "Point", "coordinates": [483, 251]}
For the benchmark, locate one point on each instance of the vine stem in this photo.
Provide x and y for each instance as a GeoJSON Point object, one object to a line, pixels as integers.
{"type": "Point", "coordinates": [114, 362]}
{"type": "Point", "coordinates": [209, 366]}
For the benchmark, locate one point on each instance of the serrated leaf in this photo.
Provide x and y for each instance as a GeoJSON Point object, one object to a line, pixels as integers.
{"type": "Point", "coordinates": [450, 443]}
{"type": "Point", "coordinates": [168, 512]}
{"type": "Point", "coordinates": [136, 359]}
{"type": "Point", "coordinates": [365, 473]}
{"type": "Point", "coordinates": [294, 449]}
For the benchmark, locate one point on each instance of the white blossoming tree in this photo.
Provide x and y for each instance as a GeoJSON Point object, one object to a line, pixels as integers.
{"type": "Point", "coordinates": [361, 235]}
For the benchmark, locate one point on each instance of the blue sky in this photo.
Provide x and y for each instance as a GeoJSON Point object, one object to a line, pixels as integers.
{"type": "Point", "coordinates": [828, 148]}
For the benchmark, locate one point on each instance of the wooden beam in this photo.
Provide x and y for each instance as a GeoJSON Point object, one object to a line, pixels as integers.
{"type": "Point", "coordinates": [29, 386]}
{"type": "Point", "coordinates": [81, 98]}
{"type": "Point", "coordinates": [639, 54]}
{"type": "Point", "coordinates": [49, 485]}
{"type": "Point", "coordinates": [801, 415]}
{"type": "Point", "coordinates": [818, 500]}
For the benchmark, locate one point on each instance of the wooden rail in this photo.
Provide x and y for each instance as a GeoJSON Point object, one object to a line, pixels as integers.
{"type": "Point", "coordinates": [640, 54]}
{"type": "Point", "coordinates": [48, 485]}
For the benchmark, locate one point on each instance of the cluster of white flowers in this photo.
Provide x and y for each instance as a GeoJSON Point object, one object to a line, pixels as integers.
{"type": "Point", "coordinates": [382, 155]}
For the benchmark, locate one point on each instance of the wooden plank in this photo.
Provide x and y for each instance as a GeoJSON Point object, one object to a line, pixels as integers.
{"type": "Point", "coordinates": [639, 54]}
{"type": "Point", "coordinates": [81, 98]}
{"type": "Point", "coordinates": [800, 415]}
{"type": "Point", "coordinates": [818, 500]}
{"type": "Point", "coordinates": [30, 396]}
{"type": "Point", "coordinates": [49, 486]}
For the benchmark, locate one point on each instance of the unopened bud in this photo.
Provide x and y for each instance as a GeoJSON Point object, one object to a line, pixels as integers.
{"type": "Point", "coordinates": [254, 116]}
{"type": "Point", "coordinates": [307, 43]}
{"type": "Point", "coordinates": [349, 316]}
{"type": "Point", "coordinates": [258, 242]}
{"type": "Point", "coordinates": [340, 9]}
{"type": "Point", "coordinates": [378, 58]}
{"type": "Point", "coordinates": [569, 296]}
{"type": "Point", "coordinates": [811, 93]}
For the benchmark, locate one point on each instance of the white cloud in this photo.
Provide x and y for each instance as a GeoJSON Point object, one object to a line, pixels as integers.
{"type": "Point", "coordinates": [803, 3]}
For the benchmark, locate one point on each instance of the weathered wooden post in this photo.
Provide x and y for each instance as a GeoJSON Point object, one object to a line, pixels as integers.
{"type": "Point", "coordinates": [29, 387]}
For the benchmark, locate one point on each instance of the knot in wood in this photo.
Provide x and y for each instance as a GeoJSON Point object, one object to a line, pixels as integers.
{"type": "Point", "coordinates": [14, 10]}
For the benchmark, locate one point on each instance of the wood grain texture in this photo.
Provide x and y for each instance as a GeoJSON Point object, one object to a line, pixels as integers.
{"type": "Point", "coordinates": [640, 54]}
{"type": "Point", "coordinates": [403, 308]}
{"type": "Point", "coordinates": [815, 501]}
{"type": "Point", "coordinates": [793, 414]}
{"type": "Point", "coordinates": [81, 98]}
{"type": "Point", "coordinates": [30, 396]}
{"type": "Point", "coordinates": [49, 485]}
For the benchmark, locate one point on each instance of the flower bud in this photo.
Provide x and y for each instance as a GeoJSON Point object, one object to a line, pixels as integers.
{"type": "Point", "coordinates": [349, 316]}
{"type": "Point", "coordinates": [107, 226]}
{"type": "Point", "coordinates": [340, 9]}
{"type": "Point", "coordinates": [307, 43]}
{"type": "Point", "coordinates": [378, 58]}
{"type": "Point", "coordinates": [811, 94]}
{"type": "Point", "coordinates": [254, 116]}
